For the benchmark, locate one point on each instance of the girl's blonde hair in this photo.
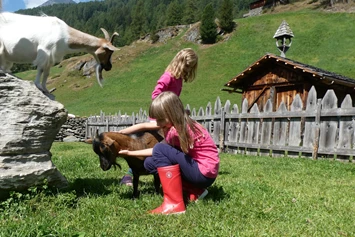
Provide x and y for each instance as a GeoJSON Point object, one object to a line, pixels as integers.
{"type": "Point", "coordinates": [184, 65]}
{"type": "Point", "coordinates": [168, 105]}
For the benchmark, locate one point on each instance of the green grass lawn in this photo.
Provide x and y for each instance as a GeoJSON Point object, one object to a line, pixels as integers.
{"type": "Point", "coordinates": [252, 196]}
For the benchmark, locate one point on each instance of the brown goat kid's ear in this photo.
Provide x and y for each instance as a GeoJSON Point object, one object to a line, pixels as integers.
{"type": "Point", "coordinates": [88, 141]}
{"type": "Point", "coordinates": [109, 141]}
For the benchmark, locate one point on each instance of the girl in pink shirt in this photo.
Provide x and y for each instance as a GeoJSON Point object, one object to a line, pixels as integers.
{"type": "Point", "coordinates": [182, 67]}
{"type": "Point", "coordinates": [187, 160]}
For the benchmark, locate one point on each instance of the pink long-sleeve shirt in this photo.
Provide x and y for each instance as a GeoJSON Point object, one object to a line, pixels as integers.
{"type": "Point", "coordinates": [167, 83]}
{"type": "Point", "coordinates": [204, 150]}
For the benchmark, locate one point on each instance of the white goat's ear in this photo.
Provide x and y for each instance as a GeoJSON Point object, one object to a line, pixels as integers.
{"type": "Point", "coordinates": [111, 47]}
{"type": "Point", "coordinates": [100, 50]}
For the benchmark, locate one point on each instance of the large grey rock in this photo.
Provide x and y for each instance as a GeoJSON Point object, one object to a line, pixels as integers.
{"type": "Point", "coordinates": [29, 122]}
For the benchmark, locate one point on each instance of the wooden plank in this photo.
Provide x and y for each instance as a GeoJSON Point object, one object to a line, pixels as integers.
{"type": "Point", "coordinates": [328, 125]}
{"type": "Point", "coordinates": [235, 124]}
{"type": "Point", "coordinates": [188, 109]}
{"type": "Point", "coordinates": [253, 130]}
{"type": "Point", "coordinates": [234, 127]}
{"type": "Point", "coordinates": [201, 113]}
{"type": "Point", "coordinates": [216, 123]}
{"type": "Point", "coordinates": [316, 130]}
{"type": "Point", "coordinates": [243, 124]}
{"type": "Point", "coordinates": [346, 128]}
{"type": "Point", "coordinates": [266, 129]}
{"type": "Point", "coordinates": [280, 131]}
{"type": "Point", "coordinates": [208, 123]}
{"type": "Point", "coordinates": [294, 136]}
{"type": "Point", "coordinates": [227, 127]}
{"type": "Point", "coordinates": [296, 149]}
{"type": "Point", "coordinates": [222, 133]}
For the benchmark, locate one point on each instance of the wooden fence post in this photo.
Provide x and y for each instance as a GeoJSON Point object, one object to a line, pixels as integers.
{"type": "Point", "coordinates": [221, 132]}
{"type": "Point", "coordinates": [317, 130]}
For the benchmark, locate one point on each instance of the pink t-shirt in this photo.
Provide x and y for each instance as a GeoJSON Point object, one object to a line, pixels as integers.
{"type": "Point", "coordinates": [167, 83]}
{"type": "Point", "coordinates": [204, 151]}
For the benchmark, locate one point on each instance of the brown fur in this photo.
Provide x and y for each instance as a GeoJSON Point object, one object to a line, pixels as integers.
{"type": "Point", "coordinates": [108, 144]}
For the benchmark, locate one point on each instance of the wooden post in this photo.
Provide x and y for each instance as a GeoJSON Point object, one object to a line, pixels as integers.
{"type": "Point", "coordinates": [316, 131]}
{"type": "Point", "coordinates": [221, 132]}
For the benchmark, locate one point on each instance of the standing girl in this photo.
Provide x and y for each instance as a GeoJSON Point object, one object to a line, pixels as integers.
{"type": "Point", "coordinates": [183, 67]}
{"type": "Point", "coordinates": [189, 158]}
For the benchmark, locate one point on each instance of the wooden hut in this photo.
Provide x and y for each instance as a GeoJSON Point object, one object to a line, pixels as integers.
{"type": "Point", "coordinates": [280, 79]}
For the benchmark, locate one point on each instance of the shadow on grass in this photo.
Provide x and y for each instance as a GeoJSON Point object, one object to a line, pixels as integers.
{"type": "Point", "coordinates": [87, 186]}
{"type": "Point", "coordinates": [92, 186]}
{"type": "Point", "coordinates": [223, 172]}
{"type": "Point", "coordinates": [216, 193]}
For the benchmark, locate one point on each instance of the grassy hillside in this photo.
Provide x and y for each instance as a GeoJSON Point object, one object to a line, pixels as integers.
{"type": "Point", "coordinates": [322, 39]}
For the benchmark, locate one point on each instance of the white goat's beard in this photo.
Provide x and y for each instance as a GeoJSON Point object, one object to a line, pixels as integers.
{"type": "Point", "coordinates": [99, 77]}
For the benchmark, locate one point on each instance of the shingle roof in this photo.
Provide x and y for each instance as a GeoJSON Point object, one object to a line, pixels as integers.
{"type": "Point", "coordinates": [284, 29]}
{"type": "Point", "coordinates": [324, 76]}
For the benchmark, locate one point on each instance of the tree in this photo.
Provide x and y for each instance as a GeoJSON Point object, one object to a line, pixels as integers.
{"type": "Point", "coordinates": [208, 28]}
{"type": "Point", "coordinates": [138, 24]}
{"type": "Point", "coordinates": [158, 20]}
{"type": "Point", "coordinates": [173, 14]}
{"type": "Point", "coordinates": [190, 11]}
{"type": "Point", "coordinates": [226, 16]}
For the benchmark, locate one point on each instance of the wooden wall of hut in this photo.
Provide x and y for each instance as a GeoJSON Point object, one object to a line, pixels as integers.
{"type": "Point", "coordinates": [279, 84]}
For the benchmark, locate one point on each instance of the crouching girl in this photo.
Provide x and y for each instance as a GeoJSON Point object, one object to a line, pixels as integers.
{"type": "Point", "coordinates": [188, 159]}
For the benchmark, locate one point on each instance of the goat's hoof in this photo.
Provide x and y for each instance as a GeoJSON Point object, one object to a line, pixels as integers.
{"type": "Point", "coordinates": [135, 196]}
{"type": "Point", "coordinates": [50, 96]}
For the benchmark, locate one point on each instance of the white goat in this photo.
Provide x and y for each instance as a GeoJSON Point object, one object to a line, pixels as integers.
{"type": "Point", "coordinates": [44, 41]}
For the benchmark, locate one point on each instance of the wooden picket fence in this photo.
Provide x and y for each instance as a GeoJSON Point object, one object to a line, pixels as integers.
{"type": "Point", "coordinates": [320, 130]}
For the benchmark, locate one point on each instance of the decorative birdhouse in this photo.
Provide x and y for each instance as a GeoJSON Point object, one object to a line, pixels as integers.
{"type": "Point", "coordinates": [283, 37]}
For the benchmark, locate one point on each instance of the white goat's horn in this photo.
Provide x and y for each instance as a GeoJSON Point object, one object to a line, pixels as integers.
{"type": "Point", "coordinates": [113, 36]}
{"type": "Point", "coordinates": [107, 36]}
{"type": "Point", "coordinates": [98, 71]}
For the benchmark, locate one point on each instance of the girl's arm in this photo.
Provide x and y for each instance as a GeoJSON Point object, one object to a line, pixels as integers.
{"type": "Point", "coordinates": [162, 85]}
{"type": "Point", "coordinates": [145, 152]}
{"type": "Point", "coordinates": [140, 127]}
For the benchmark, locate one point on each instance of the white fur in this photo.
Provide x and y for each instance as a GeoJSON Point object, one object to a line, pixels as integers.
{"type": "Point", "coordinates": [44, 41]}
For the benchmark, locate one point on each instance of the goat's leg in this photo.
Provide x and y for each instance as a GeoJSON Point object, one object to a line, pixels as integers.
{"type": "Point", "coordinates": [38, 78]}
{"type": "Point", "coordinates": [135, 185]}
{"type": "Point", "coordinates": [157, 183]}
{"type": "Point", "coordinates": [43, 64]}
{"type": "Point", "coordinates": [44, 80]}
{"type": "Point", "coordinates": [5, 65]}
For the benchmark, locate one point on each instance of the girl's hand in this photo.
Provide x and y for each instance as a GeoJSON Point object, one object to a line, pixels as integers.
{"type": "Point", "coordinates": [137, 153]}
{"type": "Point", "coordinates": [124, 152]}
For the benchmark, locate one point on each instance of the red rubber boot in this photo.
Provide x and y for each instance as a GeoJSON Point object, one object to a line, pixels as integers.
{"type": "Point", "coordinates": [193, 193]}
{"type": "Point", "coordinates": [173, 202]}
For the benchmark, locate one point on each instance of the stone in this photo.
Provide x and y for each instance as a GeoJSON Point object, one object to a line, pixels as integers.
{"type": "Point", "coordinates": [29, 124]}
{"type": "Point", "coordinates": [71, 139]}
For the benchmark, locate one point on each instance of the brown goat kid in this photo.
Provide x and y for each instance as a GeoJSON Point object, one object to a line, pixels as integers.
{"type": "Point", "coordinates": [108, 144]}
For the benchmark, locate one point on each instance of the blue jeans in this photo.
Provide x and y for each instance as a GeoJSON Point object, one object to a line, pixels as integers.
{"type": "Point", "coordinates": [166, 155]}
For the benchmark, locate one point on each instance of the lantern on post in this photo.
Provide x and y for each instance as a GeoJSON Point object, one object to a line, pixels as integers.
{"type": "Point", "coordinates": [283, 37]}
